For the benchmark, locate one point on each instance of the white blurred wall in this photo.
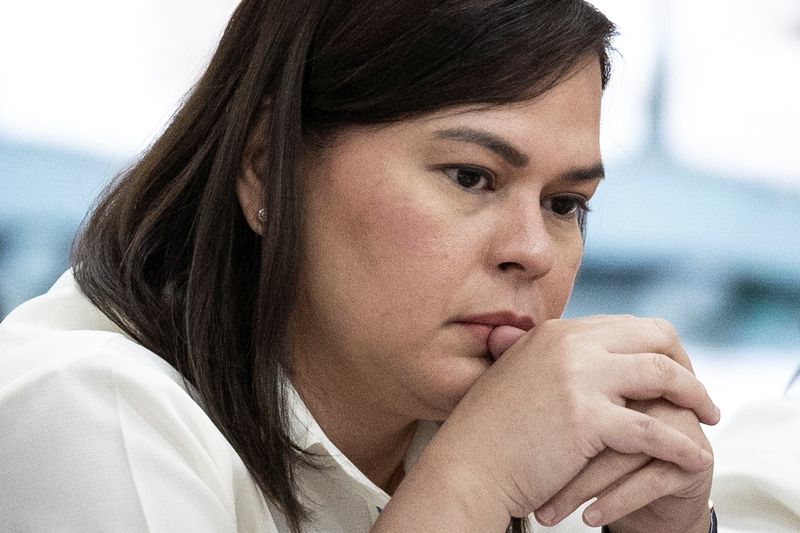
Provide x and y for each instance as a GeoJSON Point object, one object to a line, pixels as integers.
{"type": "Point", "coordinates": [100, 76]}
{"type": "Point", "coordinates": [733, 80]}
{"type": "Point", "coordinates": [105, 76]}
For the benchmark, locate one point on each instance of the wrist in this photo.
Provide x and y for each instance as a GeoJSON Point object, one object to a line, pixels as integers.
{"type": "Point", "coordinates": [441, 493]}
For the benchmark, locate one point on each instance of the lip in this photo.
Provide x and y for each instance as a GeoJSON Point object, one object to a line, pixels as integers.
{"type": "Point", "coordinates": [498, 318]}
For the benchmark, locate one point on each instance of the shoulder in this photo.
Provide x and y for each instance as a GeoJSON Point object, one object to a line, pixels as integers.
{"type": "Point", "coordinates": [60, 345]}
{"type": "Point", "coordinates": [61, 337]}
{"type": "Point", "coordinates": [99, 434]}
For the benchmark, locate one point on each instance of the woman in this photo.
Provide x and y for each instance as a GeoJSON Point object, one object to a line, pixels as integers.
{"type": "Point", "coordinates": [362, 224]}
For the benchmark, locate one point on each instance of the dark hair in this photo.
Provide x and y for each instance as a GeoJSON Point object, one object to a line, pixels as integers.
{"type": "Point", "coordinates": [167, 253]}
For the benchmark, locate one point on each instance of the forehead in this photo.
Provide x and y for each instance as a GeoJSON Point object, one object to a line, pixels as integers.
{"type": "Point", "coordinates": [570, 110]}
{"type": "Point", "coordinates": [558, 128]}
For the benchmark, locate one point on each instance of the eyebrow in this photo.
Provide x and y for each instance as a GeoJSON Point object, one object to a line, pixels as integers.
{"type": "Point", "coordinates": [489, 141]}
{"type": "Point", "coordinates": [594, 172]}
{"type": "Point", "coordinates": [514, 155]}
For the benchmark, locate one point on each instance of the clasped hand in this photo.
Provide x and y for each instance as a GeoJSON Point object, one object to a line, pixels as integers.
{"type": "Point", "coordinates": [605, 407]}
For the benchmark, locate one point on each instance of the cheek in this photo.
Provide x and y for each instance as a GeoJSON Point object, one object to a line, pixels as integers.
{"type": "Point", "coordinates": [402, 234]}
{"type": "Point", "coordinates": [412, 248]}
{"type": "Point", "coordinates": [562, 277]}
{"type": "Point", "coordinates": [381, 252]}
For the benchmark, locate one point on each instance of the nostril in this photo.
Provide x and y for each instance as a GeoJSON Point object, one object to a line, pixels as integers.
{"type": "Point", "coordinates": [510, 266]}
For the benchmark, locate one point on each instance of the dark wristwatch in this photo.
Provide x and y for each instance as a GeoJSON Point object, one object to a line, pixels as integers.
{"type": "Point", "coordinates": [711, 529]}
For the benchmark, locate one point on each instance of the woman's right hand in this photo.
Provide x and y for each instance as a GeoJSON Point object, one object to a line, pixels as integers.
{"type": "Point", "coordinates": [556, 399]}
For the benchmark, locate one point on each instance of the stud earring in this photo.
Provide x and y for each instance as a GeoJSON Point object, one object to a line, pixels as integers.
{"type": "Point", "coordinates": [262, 214]}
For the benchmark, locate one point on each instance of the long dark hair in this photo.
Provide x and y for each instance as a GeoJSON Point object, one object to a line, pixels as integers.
{"type": "Point", "coordinates": [167, 253]}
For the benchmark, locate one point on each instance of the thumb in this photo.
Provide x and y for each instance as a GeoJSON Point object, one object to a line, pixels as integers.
{"type": "Point", "coordinates": [502, 338]}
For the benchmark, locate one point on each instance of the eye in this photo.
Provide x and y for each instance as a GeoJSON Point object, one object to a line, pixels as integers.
{"type": "Point", "coordinates": [567, 206]}
{"type": "Point", "coordinates": [471, 178]}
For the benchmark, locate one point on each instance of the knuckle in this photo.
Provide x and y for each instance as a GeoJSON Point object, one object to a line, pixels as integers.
{"type": "Point", "coordinates": [576, 369]}
{"type": "Point", "coordinates": [588, 446]}
{"type": "Point", "coordinates": [705, 472]}
{"type": "Point", "coordinates": [578, 414]}
{"type": "Point", "coordinates": [705, 446]}
{"type": "Point", "coordinates": [550, 331]}
{"type": "Point", "coordinates": [666, 329]}
{"type": "Point", "coordinates": [566, 334]}
{"type": "Point", "coordinates": [663, 368]}
{"type": "Point", "coordinates": [647, 428]}
{"type": "Point", "coordinates": [549, 325]}
{"type": "Point", "coordinates": [569, 342]}
{"type": "Point", "coordinates": [579, 424]}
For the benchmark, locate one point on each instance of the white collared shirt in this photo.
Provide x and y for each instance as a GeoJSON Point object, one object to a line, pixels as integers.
{"type": "Point", "coordinates": [757, 467]}
{"type": "Point", "coordinates": [99, 434]}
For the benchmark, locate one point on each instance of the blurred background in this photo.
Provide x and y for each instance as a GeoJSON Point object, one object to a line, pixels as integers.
{"type": "Point", "coordinates": [697, 221]}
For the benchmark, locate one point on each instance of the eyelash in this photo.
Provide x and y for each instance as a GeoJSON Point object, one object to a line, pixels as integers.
{"type": "Point", "coordinates": [578, 210]}
{"type": "Point", "coordinates": [580, 204]}
{"type": "Point", "coordinates": [481, 173]}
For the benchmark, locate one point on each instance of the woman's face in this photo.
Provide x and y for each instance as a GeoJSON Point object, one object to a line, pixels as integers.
{"type": "Point", "coordinates": [422, 235]}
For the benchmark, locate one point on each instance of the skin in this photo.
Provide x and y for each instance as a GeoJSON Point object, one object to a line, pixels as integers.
{"type": "Point", "coordinates": [391, 234]}
{"type": "Point", "coordinates": [408, 230]}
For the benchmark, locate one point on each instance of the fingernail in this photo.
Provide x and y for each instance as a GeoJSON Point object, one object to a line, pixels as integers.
{"type": "Point", "coordinates": [592, 517]}
{"type": "Point", "coordinates": [546, 514]}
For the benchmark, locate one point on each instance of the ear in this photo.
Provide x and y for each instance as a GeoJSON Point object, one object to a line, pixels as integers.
{"type": "Point", "coordinates": [249, 183]}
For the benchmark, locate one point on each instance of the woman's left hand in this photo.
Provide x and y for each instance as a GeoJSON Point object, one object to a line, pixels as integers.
{"type": "Point", "coordinates": [636, 493]}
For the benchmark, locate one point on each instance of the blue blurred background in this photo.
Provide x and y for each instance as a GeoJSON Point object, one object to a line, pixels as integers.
{"type": "Point", "coordinates": [697, 221]}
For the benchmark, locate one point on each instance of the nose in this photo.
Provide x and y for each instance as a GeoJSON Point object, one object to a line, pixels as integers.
{"type": "Point", "coordinates": [522, 246]}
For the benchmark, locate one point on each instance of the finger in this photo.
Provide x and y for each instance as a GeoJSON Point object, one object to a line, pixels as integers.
{"type": "Point", "coordinates": [654, 375]}
{"type": "Point", "coordinates": [628, 431]}
{"type": "Point", "coordinates": [610, 467]}
{"type": "Point", "coordinates": [605, 470]}
{"type": "Point", "coordinates": [654, 481]}
{"type": "Point", "coordinates": [644, 335]}
{"type": "Point", "coordinates": [502, 338]}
